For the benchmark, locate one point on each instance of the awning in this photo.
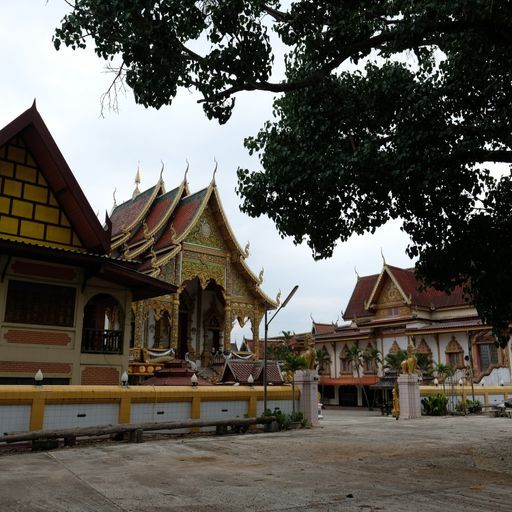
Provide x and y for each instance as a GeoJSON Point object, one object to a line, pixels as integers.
{"type": "Point", "coordinates": [366, 380]}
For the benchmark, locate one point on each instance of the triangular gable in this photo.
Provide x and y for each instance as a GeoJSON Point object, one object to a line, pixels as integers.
{"type": "Point", "coordinates": [41, 201]}
{"type": "Point", "coordinates": [386, 282]}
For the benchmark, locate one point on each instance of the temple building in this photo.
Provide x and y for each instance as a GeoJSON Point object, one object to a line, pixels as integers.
{"type": "Point", "coordinates": [65, 302]}
{"type": "Point", "coordinates": [384, 313]}
{"type": "Point", "coordinates": [185, 239]}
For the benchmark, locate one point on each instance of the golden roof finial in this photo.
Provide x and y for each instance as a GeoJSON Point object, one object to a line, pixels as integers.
{"type": "Point", "coordinates": [162, 170]}
{"type": "Point", "coordinates": [278, 298]}
{"type": "Point", "coordinates": [136, 192]}
{"type": "Point", "coordinates": [114, 197]}
{"type": "Point", "coordinates": [246, 250]}
{"type": "Point", "coordinates": [382, 254]}
{"type": "Point", "coordinates": [355, 270]}
{"type": "Point", "coordinates": [260, 277]}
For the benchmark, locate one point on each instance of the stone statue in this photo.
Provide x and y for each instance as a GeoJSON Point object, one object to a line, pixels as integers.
{"type": "Point", "coordinates": [409, 365]}
{"type": "Point", "coordinates": [395, 411]}
{"type": "Point", "coordinates": [309, 353]}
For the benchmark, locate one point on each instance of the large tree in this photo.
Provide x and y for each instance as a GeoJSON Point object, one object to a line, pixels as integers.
{"type": "Point", "coordinates": [388, 109]}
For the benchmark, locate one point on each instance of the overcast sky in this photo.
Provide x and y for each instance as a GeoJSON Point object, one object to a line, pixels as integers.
{"type": "Point", "coordinates": [103, 154]}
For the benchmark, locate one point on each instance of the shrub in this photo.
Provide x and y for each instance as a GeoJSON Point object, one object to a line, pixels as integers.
{"type": "Point", "coordinates": [470, 406]}
{"type": "Point", "coordinates": [435, 405]}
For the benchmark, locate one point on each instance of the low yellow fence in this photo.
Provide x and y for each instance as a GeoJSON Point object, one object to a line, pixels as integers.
{"type": "Point", "coordinates": [25, 408]}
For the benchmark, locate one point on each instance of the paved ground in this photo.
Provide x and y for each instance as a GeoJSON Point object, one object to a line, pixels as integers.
{"type": "Point", "coordinates": [356, 461]}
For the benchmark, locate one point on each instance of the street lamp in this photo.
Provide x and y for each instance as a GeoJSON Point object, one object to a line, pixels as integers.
{"type": "Point", "coordinates": [267, 323]}
{"type": "Point", "coordinates": [38, 378]}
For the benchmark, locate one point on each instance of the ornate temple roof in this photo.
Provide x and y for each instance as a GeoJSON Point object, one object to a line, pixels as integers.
{"type": "Point", "coordinates": [153, 226]}
{"type": "Point", "coordinates": [368, 288]}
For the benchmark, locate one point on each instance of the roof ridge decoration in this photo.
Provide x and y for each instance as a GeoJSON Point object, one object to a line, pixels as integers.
{"type": "Point", "coordinates": [136, 192]}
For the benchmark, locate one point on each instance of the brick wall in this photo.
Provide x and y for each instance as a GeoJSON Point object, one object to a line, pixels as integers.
{"type": "Point", "coordinates": [31, 368]}
{"type": "Point", "coordinates": [100, 375]}
{"type": "Point", "coordinates": [37, 337]}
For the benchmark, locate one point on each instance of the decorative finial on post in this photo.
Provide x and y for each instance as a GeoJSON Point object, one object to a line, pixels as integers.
{"type": "Point", "coordinates": [136, 192]}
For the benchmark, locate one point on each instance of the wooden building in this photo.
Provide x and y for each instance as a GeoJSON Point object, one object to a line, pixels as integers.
{"type": "Point", "coordinates": [65, 303]}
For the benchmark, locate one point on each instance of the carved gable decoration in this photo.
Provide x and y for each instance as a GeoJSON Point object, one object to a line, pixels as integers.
{"type": "Point", "coordinates": [237, 284]}
{"type": "Point", "coordinates": [453, 346]}
{"type": "Point", "coordinates": [205, 268]}
{"type": "Point", "coordinates": [395, 347]}
{"type": "Point", "coordinates": [206, 232]}
{"type": "Point", "coordinates": [390, 294]}
{"type": "Point", "coordinates": [423, 348]}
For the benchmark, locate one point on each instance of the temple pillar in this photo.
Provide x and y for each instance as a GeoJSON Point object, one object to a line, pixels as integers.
{"type": "Point", "coordinates": [228, 325]}
{"type": "Point", "coordinates": [255, 327]}
{"type": "Point", "coordinates": [175, 320]}
{"type": "Point", "coordinates": [140, 318]}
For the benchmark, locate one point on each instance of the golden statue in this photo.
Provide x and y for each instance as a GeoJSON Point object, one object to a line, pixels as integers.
{"type": "Point", "coordinates": [395, 412]}
{"type": "Point", "coordinates": [410, 364]}
{"type": "Point", "coordinates": [309, 353]}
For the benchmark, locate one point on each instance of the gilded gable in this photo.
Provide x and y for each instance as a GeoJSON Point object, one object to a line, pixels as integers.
{"type": "Point", "coordinates": [206, 232]}
{"type": "Point", "coordinates": [29, 211]}
{"type": "Point", "coordinates": [390, 294]}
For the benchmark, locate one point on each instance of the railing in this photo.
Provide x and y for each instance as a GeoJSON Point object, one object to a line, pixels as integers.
{"type": "Point", "coordinates": [101, 341]}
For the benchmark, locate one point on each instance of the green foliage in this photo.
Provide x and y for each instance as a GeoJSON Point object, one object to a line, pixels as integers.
{"type": "Point", "coordinates": [285, 421]}
{"type": "Point", "coordinates": [393, 360]}
{"type": "Point", "coordinates": [435, 405]}
{"type": "Point", "coordinates": [469, 406]}
{"type": "Point", "coordinates": [424, 363]}
{"type": "Point", "coordinates": [323, 360]}
{"type": "Point", "coordinates": [278, 351]}
{"type": "Point", "coordinates": [410, 133]}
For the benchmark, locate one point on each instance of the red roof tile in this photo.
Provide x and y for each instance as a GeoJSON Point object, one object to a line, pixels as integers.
{"type": "Point", "coordinates": [158, 210]}
{"type": "Point", "coordinates": [181, 219]}
{"type": "Point", "coordinates": [127, 212]}
{"type": "Point", "coordinates": [323, 328]}
{"type": "Point", "coordinates": [429, 298]}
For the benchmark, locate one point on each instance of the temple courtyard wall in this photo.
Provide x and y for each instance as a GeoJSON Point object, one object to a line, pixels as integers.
{"type": "Point", "coordinates": [356, 461]}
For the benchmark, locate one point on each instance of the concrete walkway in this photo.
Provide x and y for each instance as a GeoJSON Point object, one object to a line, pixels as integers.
{"type": "Point", "coordinates": [356, 461]}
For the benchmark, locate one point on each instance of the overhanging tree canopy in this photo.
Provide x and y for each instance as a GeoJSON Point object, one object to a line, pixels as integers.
{"type": "Point", "coordinates": [388, 109]}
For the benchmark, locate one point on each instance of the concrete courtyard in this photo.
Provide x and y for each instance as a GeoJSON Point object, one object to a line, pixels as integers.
{"type": "Point", "coordinates": [356, 461]}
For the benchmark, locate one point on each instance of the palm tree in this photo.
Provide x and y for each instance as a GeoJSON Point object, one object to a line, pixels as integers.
{"type": "Point", "coordinates": [444, 371]}
{"type": "Point", "coordinates": [355, 357]}
{"type": "Point", "coordinates": [293, 363]}
{"type": "Point", "coordinates": [424, 363]}
{"type": "Point", "coordinates": [372, 356]}
{"type": "Point", "coordinates": [393, 360]}
{"type": "Point", "coordinates": [322, 360]}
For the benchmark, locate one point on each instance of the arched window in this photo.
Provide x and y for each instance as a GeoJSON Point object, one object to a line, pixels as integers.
{"type": "Point", "coordinates": [102, 331]}
{"type": "Point", "coordinates": [487, 354]}
{"type": "Point", "coordinates": [370, 356]}
{"type": "Point", "coordinates": [454, 354]}
{"type": "Point", "coordinates": [345, 361]}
